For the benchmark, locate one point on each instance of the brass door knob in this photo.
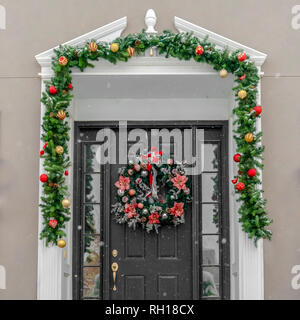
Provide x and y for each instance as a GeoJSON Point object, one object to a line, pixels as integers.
{"type": "Point", "coordinates": [114, 268]}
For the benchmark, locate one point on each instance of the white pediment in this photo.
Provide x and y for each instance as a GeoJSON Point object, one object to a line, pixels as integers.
{"type": "Point", "coordinates": [221, 42]}
{"type": "Point", "coordinates": [114, 29]}
{"type": "Point", "coordinates": [108, 32]}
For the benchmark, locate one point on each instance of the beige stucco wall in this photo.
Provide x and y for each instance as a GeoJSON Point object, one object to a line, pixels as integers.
{"type": "Point", "coordinates": [34, 26]}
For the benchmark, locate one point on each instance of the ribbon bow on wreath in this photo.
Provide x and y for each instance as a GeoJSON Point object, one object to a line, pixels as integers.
{"type": "Point", "coordinates": [152, 157]}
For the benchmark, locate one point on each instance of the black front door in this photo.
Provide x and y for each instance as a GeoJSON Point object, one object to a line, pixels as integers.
{"type": "Point", "coordinates": [151, 266]}
{"type": "Point", "coordinates": [190, 261]}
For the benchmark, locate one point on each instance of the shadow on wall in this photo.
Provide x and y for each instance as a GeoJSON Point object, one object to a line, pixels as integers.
{"type": "Point", "coordinates": [2, 278]}
{"type": "Point", "coordinates": [2, 18]}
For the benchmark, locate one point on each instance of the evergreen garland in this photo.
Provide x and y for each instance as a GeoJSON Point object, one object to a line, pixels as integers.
{"type": "Point", "coordinates": [182, 46]}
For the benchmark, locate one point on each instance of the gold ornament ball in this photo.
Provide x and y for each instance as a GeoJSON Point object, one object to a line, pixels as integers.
{"type": "Point", "coordinates": [61, 243]}
{"type": "Point", "coordinates": [249, 137]}
{"type": "Point", "coordinates": [66, 203]}
{"type": "Point", "coordinates": [131, 192]}
{"type": "Point", "coordinates": [242, 94]}
{"type": "Point", "coordinates": [223, 73]}
{"type": "Point", "coordinates": [114, 47]}
{"type": "Point", "coordinates": [59, 150]}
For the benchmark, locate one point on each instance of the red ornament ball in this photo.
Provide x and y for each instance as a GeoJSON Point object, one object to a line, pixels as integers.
{"type": "Point", "coordinates": [43, 178]}
{"type": "Point", "coordinates": [234, 181]}
{"type": "Point", "coordinates": [258, 110]}
{"type": "Point", "coordinates": [237, 157]}
{"type": "Point", "coordinates": [252, 172]}
{"type": "Point", "coordinates": [63, 61]}
{"type": "Point", "coordinates": [52, 223]}
{"type": "Point", "coordinates": [70, 86]}
{"type": "Point", "coordinates": [242, 56]}
{"type": "Point", "coordinates": [199, 50]}
{"type": "Point", "coordinates": [66, 173]}
{"type": "Point", "coordinates": [240, 186]}
{"type": "Point", "coordinates": [52, 90]}
{"type": "Point", "coordinates": [42, 152]}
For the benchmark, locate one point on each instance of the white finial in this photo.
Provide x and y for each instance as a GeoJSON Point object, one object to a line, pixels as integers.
{"type": "Point", "coordinates": [150, 21]}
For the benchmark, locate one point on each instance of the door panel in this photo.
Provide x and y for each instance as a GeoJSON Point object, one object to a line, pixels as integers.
{"type": "Point", "coordinates": [151, 266]}
{"type": "Point", "coordinates": [190, 261]}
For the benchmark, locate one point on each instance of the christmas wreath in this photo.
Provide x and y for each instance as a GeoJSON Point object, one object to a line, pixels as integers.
{"type": "Point", "coordinates": [152, 192]}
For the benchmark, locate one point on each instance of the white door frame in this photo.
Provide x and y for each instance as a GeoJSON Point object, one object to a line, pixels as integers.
{"type": "Point", "coordinates": [54, 264]}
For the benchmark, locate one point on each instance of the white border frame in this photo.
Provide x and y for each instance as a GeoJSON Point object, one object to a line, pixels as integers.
{"type": "Point", "coordinates": [54, 264]}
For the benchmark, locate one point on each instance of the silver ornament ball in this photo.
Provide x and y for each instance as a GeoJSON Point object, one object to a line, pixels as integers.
{"type": "Point", "coordinates": [145, 211]}
{"type": "Point", "coordinates": [151, 200]}
{"type": "Point", "coordinates": [187, 191]}
{"type": "Point", "coordinates": [164, 216]}
{"type": "Point", "coordinates": [144, 173]}
{"type": "Point", "coordinates": [137, 167]}
{"type": "Point", "coordinates": [120, 192]}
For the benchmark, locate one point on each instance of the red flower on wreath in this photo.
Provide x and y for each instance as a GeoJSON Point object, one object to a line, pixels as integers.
{"type": "Point", "coordinates": [130, 210]}
{"type": "Point", "coordinates": [123, 183]}
{"type": "Point", "coordinates": [154, 218]}
{"type": "Point", "coordinates": [177, 209]}
{"type": "Point", "coordinates": [179, 182]}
